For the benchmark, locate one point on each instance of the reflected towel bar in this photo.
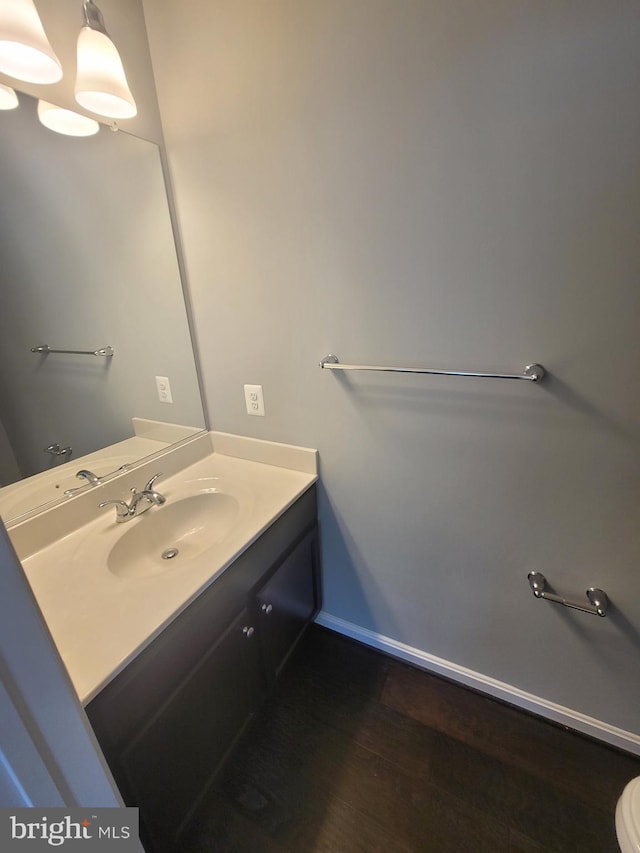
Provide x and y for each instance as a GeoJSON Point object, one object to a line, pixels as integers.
{"type": "Point", "coordinates": [106, 352]}
{"type": "Point", "coordinates": [597, 597]}
{"type": "Point", "coordinates": [532, 372]}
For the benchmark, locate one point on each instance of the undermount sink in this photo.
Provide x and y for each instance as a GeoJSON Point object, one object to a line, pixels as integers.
{"type": "Point", "coordinates": [171, 536]}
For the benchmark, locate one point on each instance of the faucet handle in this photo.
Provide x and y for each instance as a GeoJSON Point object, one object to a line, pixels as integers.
{"type": "Point", "coordinates": [122, 510]}
{"type": "Point", "coordinates": [149, 485]}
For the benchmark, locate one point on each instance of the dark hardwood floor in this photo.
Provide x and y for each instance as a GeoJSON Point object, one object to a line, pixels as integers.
{"type": "Point", "coordinates": [358, 753]}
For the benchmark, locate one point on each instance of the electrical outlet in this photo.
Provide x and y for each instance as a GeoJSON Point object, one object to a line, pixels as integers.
{"type": "Point", "coordinates": [254, 399]}
{"type": "Point", "coordinates": [164, 389]}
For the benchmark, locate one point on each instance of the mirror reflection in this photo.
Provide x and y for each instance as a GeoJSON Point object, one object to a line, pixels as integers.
{"type": "Point", "coordinates": [88, 262]}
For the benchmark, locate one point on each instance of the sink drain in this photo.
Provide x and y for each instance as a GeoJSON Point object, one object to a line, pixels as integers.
{"type": "Point", "coordinates": [170, 553]}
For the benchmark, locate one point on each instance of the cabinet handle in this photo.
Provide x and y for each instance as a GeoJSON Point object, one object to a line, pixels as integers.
{"type": "Point", "coordinates": [247, 631]}
{"type": "Point", "coordinates": [267, 608]}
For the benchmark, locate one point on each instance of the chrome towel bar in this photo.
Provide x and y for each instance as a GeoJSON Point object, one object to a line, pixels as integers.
{"type": "Point", "coordinates": [597, 597]}
{"type": "Point", "coordinates": [106, 352]}
{"type": "Point", "coordinates": [532, 372]}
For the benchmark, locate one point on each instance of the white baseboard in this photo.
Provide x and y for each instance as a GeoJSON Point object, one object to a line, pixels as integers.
{"type": "Point", "coordinates": [620, 738]}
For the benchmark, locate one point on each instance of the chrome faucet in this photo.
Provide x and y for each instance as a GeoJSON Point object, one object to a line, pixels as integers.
{"type": "Point", "coordinates": [56, 450]}
{"type": "Point", "coordinates": [83, 474]}
{"type": "Point", "coordinates": [89, 476]}
{"type": "Point", "coordinates": [140, 502]}
{"type": "Point", "coordinates": [92, 478]}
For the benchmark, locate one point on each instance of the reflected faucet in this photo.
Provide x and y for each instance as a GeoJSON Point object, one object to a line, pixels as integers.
{"type": "Point", "coordinates": [92, 478]}
{"type": "Point", "coordinates": [89, 476]}
{"type": "Point", "coordinates": [56, 450]}
{"type": "Point", "coordinates": [140, 502]}
{"type": "Point", "coordinates": [83, 474]}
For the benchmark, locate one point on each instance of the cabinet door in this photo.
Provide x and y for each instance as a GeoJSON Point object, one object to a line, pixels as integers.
{"type": "Point", "coordinates": [169, 764]}
{"type": "Point", "coordinates": [286, 603]}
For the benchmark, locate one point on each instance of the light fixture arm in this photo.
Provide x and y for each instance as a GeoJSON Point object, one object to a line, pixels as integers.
{"type": "Point", "coordinates": [93, 17]}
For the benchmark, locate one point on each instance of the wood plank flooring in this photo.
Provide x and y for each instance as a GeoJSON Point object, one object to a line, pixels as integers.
{"type": "Point", "coordinates": [358, 753]}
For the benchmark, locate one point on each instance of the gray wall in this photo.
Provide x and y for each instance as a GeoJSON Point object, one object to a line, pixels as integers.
{"type": "Point", "coordinates": [449, 183]}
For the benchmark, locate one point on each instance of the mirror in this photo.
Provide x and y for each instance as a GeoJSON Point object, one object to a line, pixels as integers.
{"type": "Point", "coordinates": [88, 262]}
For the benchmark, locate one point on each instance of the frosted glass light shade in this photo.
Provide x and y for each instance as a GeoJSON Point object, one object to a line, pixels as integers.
{"type": "Point", "coordinates": [101, 84]}
{"type": "Point", "coordinates": [25, 52]}
{"type": "Point", "coordinates": [8, 98]}
{"type": "Point", "coordinates": [66, 121]}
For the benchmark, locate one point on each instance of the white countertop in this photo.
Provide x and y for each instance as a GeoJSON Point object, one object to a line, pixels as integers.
{"type": "Point", "coordinates": [101, 621]}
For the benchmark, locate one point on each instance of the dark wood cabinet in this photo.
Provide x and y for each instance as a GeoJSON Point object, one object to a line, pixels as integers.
{"type": "Point", "coordinates": [172, 757]}
{"type": "Point", "coordinates": [285, 605]}
{"type": "Point", "coordinates": [166, 723]}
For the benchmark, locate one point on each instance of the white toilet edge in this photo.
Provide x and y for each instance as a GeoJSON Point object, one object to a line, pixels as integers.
{"type": "Point", "coordinates": [628, 818]}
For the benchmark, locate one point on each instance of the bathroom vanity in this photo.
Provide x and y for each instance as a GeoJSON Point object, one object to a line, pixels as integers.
{"type": "Point", "coordinates": [174, 625]}
{"type": "Point", "coordinates": [167, 721]}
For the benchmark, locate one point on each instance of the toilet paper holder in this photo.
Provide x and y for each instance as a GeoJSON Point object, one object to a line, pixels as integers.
{"type": "Point", "coordinates": [597, 597]}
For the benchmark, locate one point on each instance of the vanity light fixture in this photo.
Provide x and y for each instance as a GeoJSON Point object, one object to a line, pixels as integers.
{"type": "Point", "coordinates": [8, 98]}
{"type": "Point", "coordinates": [101, 84]}
{"type": "Point", "coordinates": [65, 121]}
{"type": "Point", "coordinates": [25, 52]}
